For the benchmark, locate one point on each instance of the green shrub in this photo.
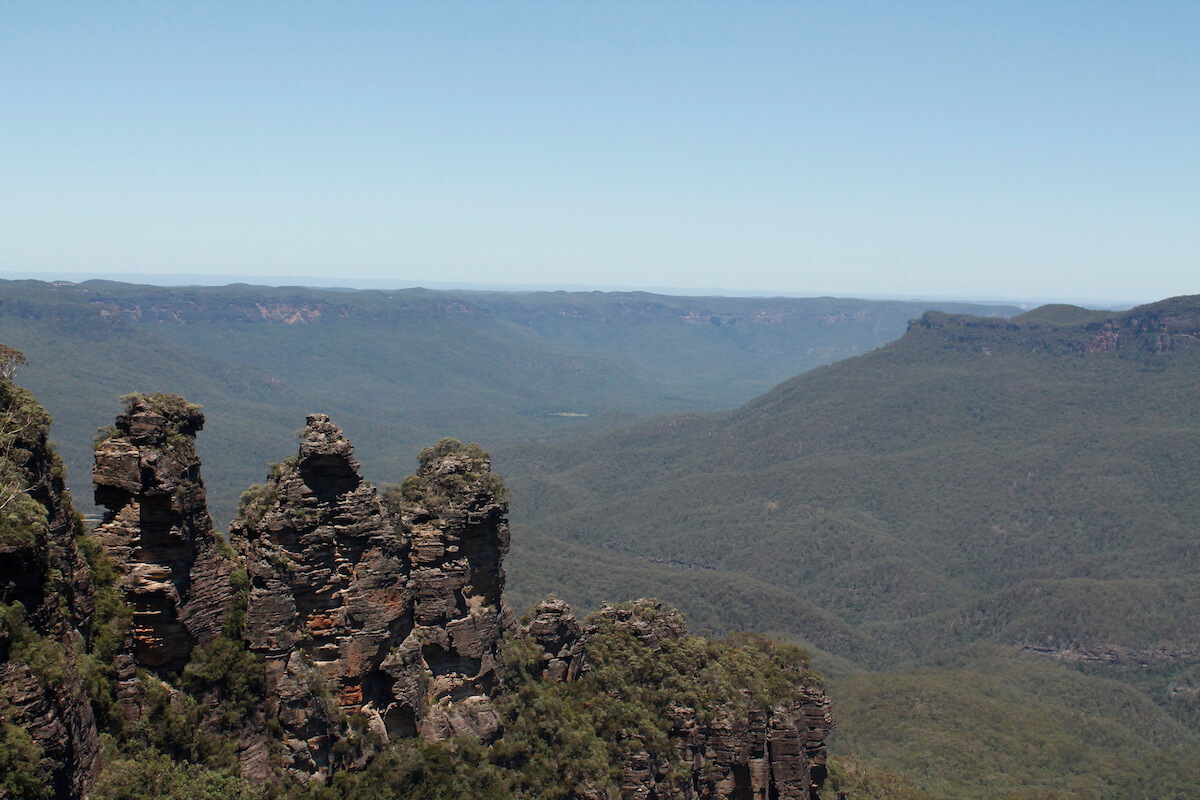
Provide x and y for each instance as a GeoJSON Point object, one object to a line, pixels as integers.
{"type": "Point", "coordinates": [433, 487]}
{"type": "Point", "coordinates": [44, 656]}
{"type": "Point", "coordinates": [174, 407]}
{"type": "Point", "coordinates": [255, 502]}
{"type": "Point", "coordinates": [110, 624]}
{"type": "Point", "coordinates": [25, 772]}
{"type": "Point", "coordinates": [150, 775]}
{"type": "Point", "coordinates": [22, 519]}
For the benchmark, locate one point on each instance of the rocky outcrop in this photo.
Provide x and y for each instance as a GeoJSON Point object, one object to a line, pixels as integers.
{"type": "Point", "coordinates": [456, 512]}
{"type": "Point", "coordinates": [158, 533]}
{"type": "Point", "coordinates": [739, 750]}
{"type": "Point", "coordinates": [45, 602]}
{"type": "Point", "coordinates": [349, 618]}
{"type": "Point", "coordinates": [384, 616]}
{"type": "Point", "coordinates": [556, 630]}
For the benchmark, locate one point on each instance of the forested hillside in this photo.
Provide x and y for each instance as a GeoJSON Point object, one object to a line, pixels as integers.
{"type": "Point", "coordinates": [400, 369]}
{"type": "Point", "coordinates": [985, 532]}
{"type": "Point", "coordinates": [1027, 483]}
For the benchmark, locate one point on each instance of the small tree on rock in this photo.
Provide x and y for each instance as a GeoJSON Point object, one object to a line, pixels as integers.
{"type": "Point", "coordinates": [11, 360]}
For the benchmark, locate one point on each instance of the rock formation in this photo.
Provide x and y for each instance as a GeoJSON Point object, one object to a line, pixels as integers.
{"type": "Point", "coordinates": [556, 630]}
{"type": "Point", "coordinates": [387, 615]}
{"type": "Point", "coordinates": [45, 600]}
{"type": "Point", "coordinates": [341, 620]}
{"type": "Point", "coordinates": [456, 512]}
{"type": "Point", "coordinates": [1167, 325]}
{"type": "Point", "coordinates": [158, 532]}
{"type": "Point", "coordinates": [740, 750]}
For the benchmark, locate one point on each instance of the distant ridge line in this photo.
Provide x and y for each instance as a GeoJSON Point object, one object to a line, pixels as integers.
{"type": "Point", "coordinates": [166, 280]}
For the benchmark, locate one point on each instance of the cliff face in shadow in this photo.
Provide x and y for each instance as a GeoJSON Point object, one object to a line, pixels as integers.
{"type": "Point", "coordinates": [48, 738]}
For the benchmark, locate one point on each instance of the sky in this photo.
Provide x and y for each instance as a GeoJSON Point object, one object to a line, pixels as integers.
{"type": "Point", "coordinates": [910, 149]}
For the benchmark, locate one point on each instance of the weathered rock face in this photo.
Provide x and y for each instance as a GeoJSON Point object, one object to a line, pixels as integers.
{"type": "Point", "coordinates": [555, 628]}
{"type": "Point", "coordinates": [742, 751]}
{"type": "Point", "coordinates": [456, 512]}
{"type": "Point", "coordinates": [45, 598]}
{"type": "Point", "coordinates": [158, 532]}
{"type": "Point", "coordinates": [329, 599]}
{"type": "Point", "coordinates": [375, 617]}
{"type": "Point", "coordinates": [776, 752]}
{"type": "Point", "coordinates": [391, 613]}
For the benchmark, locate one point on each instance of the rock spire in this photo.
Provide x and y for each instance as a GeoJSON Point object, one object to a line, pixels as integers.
{"type": "Point", "coordinates": [158, 532]}
{"type": "Point", "coordinates": [380, 615]}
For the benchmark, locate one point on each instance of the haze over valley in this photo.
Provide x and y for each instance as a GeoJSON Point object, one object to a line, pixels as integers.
{"type": "Point", "coordinates": [978, 511]}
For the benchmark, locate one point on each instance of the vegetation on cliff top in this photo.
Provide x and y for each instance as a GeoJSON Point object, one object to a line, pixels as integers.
{"type": "Point", "coordinates": [559, 739]}
{"type": "Point", "coordinates": [448, 472]}
{"type": "Point", "coordinates": [23, 423]}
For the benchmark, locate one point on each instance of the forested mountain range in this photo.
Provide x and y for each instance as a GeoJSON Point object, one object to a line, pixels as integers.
{"type": "Point", "coordinates": [985, 531]}
{"type": "Point", "coordinates": [953, 518]}
{"type": "Point", "coordinates": [964, 459]}
{"type": "Point", "coordinates": [400, 369]}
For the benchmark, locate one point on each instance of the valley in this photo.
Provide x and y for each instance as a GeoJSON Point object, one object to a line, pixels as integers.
{"type": "Point", "coordinates": [402, 369]}
{"type": "Point", "coordinates": [982, 528]}
{"type": "Point", "coordinates": [980, 498]}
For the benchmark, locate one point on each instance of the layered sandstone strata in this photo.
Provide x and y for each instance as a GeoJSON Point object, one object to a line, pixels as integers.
{"type": "Point", "coordinates": [380, 616]}
{"type": "Point", "coordinates": [158, 532]}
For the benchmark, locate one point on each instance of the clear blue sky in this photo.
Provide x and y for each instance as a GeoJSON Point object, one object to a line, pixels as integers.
{"type": "Point", "coordinates": [1010, 149]}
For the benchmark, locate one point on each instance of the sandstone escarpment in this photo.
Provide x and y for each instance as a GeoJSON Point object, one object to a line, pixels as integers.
{"type": "Point", "coordinates": [1160, 327]}
{"type": "Point", "coordinates": [743, 747]}
{"type": "Point", "coordinates": [158, 532]}
{"type": "Point", "coordinates": [372, 619]}
{"type": "Point", "coordinates": [45, 601]}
